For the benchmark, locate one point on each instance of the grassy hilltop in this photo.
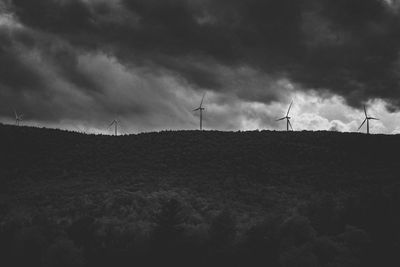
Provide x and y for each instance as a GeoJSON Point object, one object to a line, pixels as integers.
{"type": "Point", "coordinates": [321, 198]}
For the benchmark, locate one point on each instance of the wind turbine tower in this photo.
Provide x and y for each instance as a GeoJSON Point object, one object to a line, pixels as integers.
{"type": "Point", "coordinates": [200, 108]}
{"type": "Point", "coordinates": [115, 123]}
{"type": "Point", "coordinates": [367, 118]}
{"type": "Point", "coordinates": [287, 118]}
{"type": "Point", "coordinates": [18, 117]}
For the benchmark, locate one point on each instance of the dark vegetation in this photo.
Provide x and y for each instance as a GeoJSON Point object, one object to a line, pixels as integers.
{"type": "Point", "coordinates": [191, 198]}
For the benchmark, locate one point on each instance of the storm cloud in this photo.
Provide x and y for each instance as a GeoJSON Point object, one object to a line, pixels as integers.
{"type": "Point", "coordinates": [150, 61]}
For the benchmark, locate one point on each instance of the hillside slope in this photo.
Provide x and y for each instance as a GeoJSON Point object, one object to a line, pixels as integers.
{"type": "Point", "coordinates": [333, 179]}
{"type": "Point", "coordinates": [257, 155]}
{"type": "Point", "coordinates": [325, 161]}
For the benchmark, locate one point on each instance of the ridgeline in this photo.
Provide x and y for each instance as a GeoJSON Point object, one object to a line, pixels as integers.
{"type": "Point", "coordinates": [321, 160]}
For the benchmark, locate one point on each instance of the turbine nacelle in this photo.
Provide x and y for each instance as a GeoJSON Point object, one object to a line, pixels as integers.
{"type": "Point", "coordinates": [284, 118]}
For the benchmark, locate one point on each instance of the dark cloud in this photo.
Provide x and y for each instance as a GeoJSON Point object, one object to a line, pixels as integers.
{"type": "Point", "coordinates": [58, 16]}
{"type": "Point", "coordinates": [14, 68]}
{"type": "Point", "coordinates": [347, 47]}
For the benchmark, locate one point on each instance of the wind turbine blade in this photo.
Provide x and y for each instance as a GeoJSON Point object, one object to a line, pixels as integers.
{"type": "Point", "coordinates": [111, 124]}
{"type": "Point", "coordinates": [372, 118]}
{"type": "Point", "coordinates": [365, 111]}
{"type": "Point", "coordinates": [15, 113]}
{"type": "Point", "coordinates": [290, 106]}
{"type": "Point", "coordinates": [362, 124]}
{"type": "Point", "coordinates": [281, 119]}
{"type": "Point", "coordinates": [290, 125]}
{"type": "Point", "coordinates": [201, 103]}
{"type": "Point", "coordinates": [196, 109]}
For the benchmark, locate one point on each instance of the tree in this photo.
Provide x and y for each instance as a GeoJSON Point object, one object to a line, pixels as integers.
{"type": "Point", "coordinates": [169, 221]}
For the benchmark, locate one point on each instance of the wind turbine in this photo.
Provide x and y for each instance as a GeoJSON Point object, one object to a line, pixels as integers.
{"type": "Point", "coordinates": [115, 123]}
{"type": "Point", "coordinates": [287, 118]}
{"type": "Point", "coordinates": [366, 120]}
{"type": "Point", "coordinates": [200, 108]}
{"type": "Point", "coordinates": [18, 117]}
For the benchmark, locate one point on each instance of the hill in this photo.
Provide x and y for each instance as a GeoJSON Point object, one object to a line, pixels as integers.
{"type": "Point", "coordinates": [328, 178]}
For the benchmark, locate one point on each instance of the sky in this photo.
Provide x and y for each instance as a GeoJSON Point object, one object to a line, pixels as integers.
{"type": "Point", "coordinates": [80, 64]}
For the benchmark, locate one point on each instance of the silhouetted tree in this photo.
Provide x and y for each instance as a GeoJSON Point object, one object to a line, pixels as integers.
{"type": "Point", "coordinates": [169, 221]}
{"type": "Point", "coordinates": [168, 233]}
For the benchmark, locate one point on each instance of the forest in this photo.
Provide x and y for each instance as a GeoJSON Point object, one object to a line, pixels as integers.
{"type": "Point", "coordinates": [198, 198]}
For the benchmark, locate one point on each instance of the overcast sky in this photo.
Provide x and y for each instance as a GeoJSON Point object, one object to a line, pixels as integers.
{"type": "Point", "coordinates": [78, 64]}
